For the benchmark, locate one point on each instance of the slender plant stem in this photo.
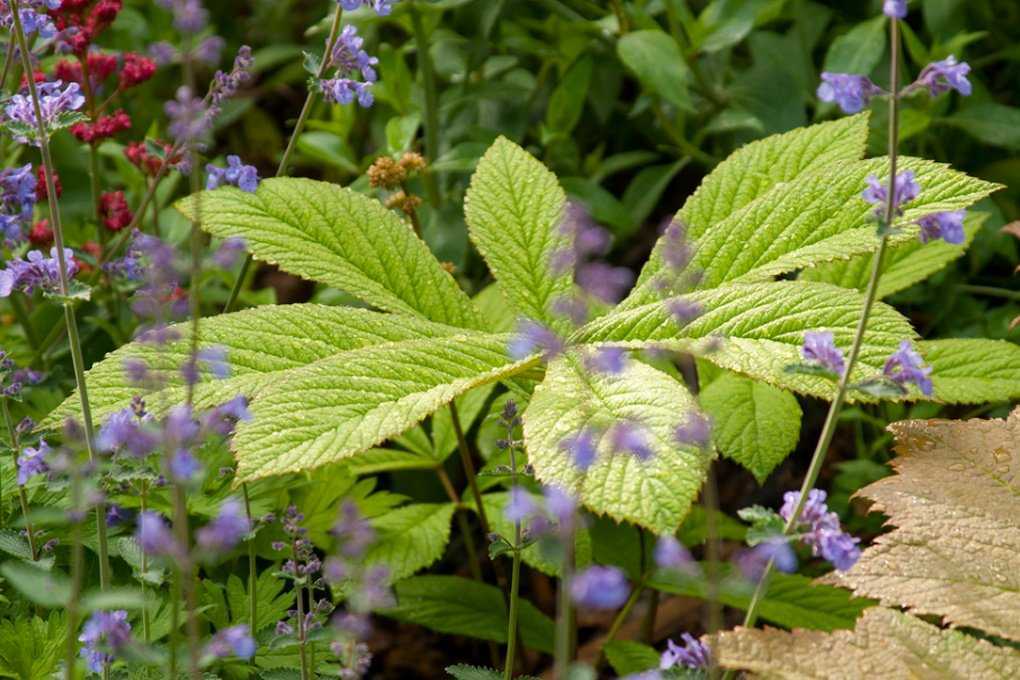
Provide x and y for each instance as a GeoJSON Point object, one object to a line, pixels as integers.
{"type": "Point", "coordinates": [22, 496]}
{"type": "Point", "coordinates": [301, 633]}
{"type": "Point", "coordinates": [69, 317]}
{"type": "Point", "coordinates": [253, 591]}
{"type": "Point", "coordinates": [146, 615]}
{"type": "Point", "coordinates": [469, 469]}
{"type": "Point", "coordinates": [829, 428]}
{"type": "Point", "coordinates": [77, 560]}
{"type": "Point", "coordinates": [712, 554]}
{"type": "Point", "coordinates": [990, 291]}
{"type": "Point", "coordinates": [281, 169]}
{"type": "Point", "coordinates": [621, 616]}
{"type": "Point", "coordinates": [564, 643]}
{"type": "Point", "coordinates": [428, 78]}
{"type": "Point", "coordinates": [90, 102]}
{"type": "Point", "coordinates": [515, 575]}
{"type": "Point", "coordinates": [648, 622]}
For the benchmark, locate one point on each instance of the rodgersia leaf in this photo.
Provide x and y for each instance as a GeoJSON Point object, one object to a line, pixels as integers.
{"type": "Point", "coordinates": [973, 370]}
{"type": "Point", "coordinates": [262, 344]}
{"type": "Point", "coordinates": [655, 493]}
{"type": "Point", "coordinates": [755, 424]}
{"type": "Point", "coordinates": [885, 644]}
{"type": "Point", "coordinates": [955, 508]}
{"type": "Point", "coordinates": [758, 167]}
{"type": "Point", "coordinates": [352, 402]}
{"type": "Point", "coordinates": [904, 264]}
{"type": "Point", "coordinates": [757, 330]}
{"type": "Point", "coordinates": [411, 538]}
{"type": "Point", "coordinates": [339, 237]}
{"type": "Point", "coordinates": [513, 210]}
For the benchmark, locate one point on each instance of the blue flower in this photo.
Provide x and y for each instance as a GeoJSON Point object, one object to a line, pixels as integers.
{"type": "Point", "coordinates": [683, 310]}
{"type": "Point", "coordinates": [906, 366]}
{"type": "Point", "coordinates": [226, 530]}
{"type": "Point", "coordinates": [943, 76]}
{"type": "Point", "coordinates": [32, 462]}
{"type": "Point", "coordinates": [153, 535]}
{"type": "Point", "coordinates": [905, 190]}
{"type": "Point", "coordinates": [233, 641]}
{"type": "Point", "coordinates": [822, 532]}
{"type": "Point", "coordinates": [630, 437]}
{"type": "Point", "coordinates": [345, 91]}
{"type": "Point", "coordinates": [945, 225]}
{"type": "Point", "coordinates": [672, 554]}
{"type": "Point", "coordinates": [850, 91]}
{"type": "Point", "coordinates": [53, 102]}
{"type": "Point", "coordinates": [244, 177]}
{"type": "Point", "coordinates": [693, 654]}
{"type": "Point", "coordinates": [820, 349]}
{"type": "Point", "coordinates": [349, 58]}
{"type": "Point", "coordinates": [752, 562]}
{"type": "Point", "coordinates": [600, 587]}
{"type": "Point", "coordinates": [520, 506]}
{"type": "Point", "coordinates": [36, 271]}
{"type": "Point", "coordinates": [895, 9]}
{"type": "Point", "coordinates": [123, 430]}
{"type": "Point", "coordinates": [102, 636]}
{"type": "Point", "coordinates": [381, 7]}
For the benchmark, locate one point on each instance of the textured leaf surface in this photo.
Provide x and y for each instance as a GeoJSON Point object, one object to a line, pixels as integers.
{"type": "Point", "coordinates": [339, 237]}
{"type": "Point", "coordinates": [354, 401]}
{"type": "Point", "coordinates": [904, 264]}
{"type": "Point", "coordinates": [513, 210]}
{"type": "Point", "coordinates": [263, 344]}
{"type": "Point", "coordinates": [460, 606]}
{"type": "Point", "coordinates": [973, 371]}
{"type": "Point", "coordinates": [792, 600]}
{"type": "Point", "coordinates": [654, 493]}
{"type": "Point", "coordinates": [757, 330]}
{"type": "Point", "coordinates": [819, 218]}
{"type": "Point", "coordinates": [758, 167]}
{"type": "Point", "coordinates": [411, 538]}
{"type": "Point", "coordinates": [955, 506]}
{"type": "Point", "coordinates": [885, 644]}
{"type": "Point", "coordinates": [755, 424]}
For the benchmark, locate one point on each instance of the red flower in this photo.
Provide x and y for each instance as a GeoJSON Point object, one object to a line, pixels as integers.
{"type": "Point", "coordinates": [39, 76]}
{"type": "Point", "coordinates": [41, 235]}
{"type": "Point", "coordinates": [137, 69]}
{"type": "Point", "coordinates": [113, 208]}
{"type": "Point", "coordinates": [148, 163]}
{"type": "Point", "coordinates": [106, 126]}
{"type": "Point", "coordinates": [86, 23]}
{"type": "Point", "coordinates": [40, 185]}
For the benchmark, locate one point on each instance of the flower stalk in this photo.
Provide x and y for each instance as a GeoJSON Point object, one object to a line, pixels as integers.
{"type": "Point", "coordinates": [515, 575]}
{"type": "Point", "coordinates": [22, 496]}
{"type": "Point", "coordinates": [870, 295]}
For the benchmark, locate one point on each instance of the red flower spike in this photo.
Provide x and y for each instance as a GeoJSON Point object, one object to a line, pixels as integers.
{"type": "Point", "coordinates": [113, 208]}
{"type": "Point", "coordinates": [136, 70]}
{"type": "Point", "coordinates": [40, 184]}
{"type": "Point", "coordinates": [105, 127]}
{"type": "Point", "coordinates": [41, 236]}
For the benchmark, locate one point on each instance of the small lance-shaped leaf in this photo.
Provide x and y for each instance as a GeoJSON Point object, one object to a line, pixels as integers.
{"type": "Point", "coordinates": [411, 538]}
{"type": "Point", "coordinates": [513, 208]}
{"type": "Point", "coordinates": [756, 168]}
{"type": "Point", "coordinates": [955, 506]}
{"type": "Point", "coordinates": [339, 237]}
{"type": "Point", "coordinates": [885, 644]}
{"type": "Point", "coordinates": [758, 330]}
{"type": "Point", "coordinates": [460, 606]}
{"type": "Point", "coordinates": [973, 371]}
{"type": "Point", "coordinates": [755, 424]}
{"type": "Point", "coordinates": [819, 218]}
{"type": "Point", "coordinates": [655, 493]}
{"type": "Point", "coordinates": [340, 406]}
{"type": "Point", "coordinates": [904, 264]}
{"type": "Point", "coordinates": [262, 345]}
{"type": "Point", "coordinates": [627, 656]}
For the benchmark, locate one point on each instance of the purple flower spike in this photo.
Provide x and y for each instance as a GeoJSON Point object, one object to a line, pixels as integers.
{"type": "Point", "coordinates": [822, 532]}
{"type": "Point", "coordinates": [752, 562]}
{"type": "Point", "coordinates": [945, 225]}
{"type": "Point", "coordinates": [562, 506]}
{"type": "Point", "coordinates": [226, 530]}
{"type": "Point", "coordinates": [54, 102]}
{"type": "Point", "coordinates": [102, 636]}
{"type": "Point", "coordinates": [600, 587]}
{"type": "Point", "coordinates": [672, 554]}
{"type": "Point", "coordinates": [693, 654]}
{"type": "Point", "coordinates": [153, 534]}
{"type": "Point", "coordinates": [696, 431]}
{"type": "Point", "coordinates": [906, 190]}
{"type": "Point", "coordinates": [520, 506]}
{"type": "Point", "coordinates": [943, 76]}
{"type": "Point", "coordinates": [244, 177]}
{"type": "Point", "coordinates": [851, 92]}
{"type": "Point", "coordinates": [233, 641]}
{"type": "Point", "coordinates": [32, 462]}
{"type": "Point", "coordinates": [630, 437]}
{"type": "Point", "coordinates": [906, 366]}
{"type": "Point", "coordinates": [820, 349]}
{"type": "Point", "coordinates": [36, 271]}
{"type": "Point", "coordinates": [582, 447]}
{"type": "Point", "coordinates": [895, 9]}
{"type": "Point", "coordinates": [532, 338]}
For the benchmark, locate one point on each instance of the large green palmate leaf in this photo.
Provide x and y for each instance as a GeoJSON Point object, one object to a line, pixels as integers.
{"type": "Point", "coordinates": [758, 330]}
{"type": "Point", "coordinates": [819, 218]}
{"type": "Point", "coordinates": [460, 606]}
{"type": "Point", "coordinates": [411, 538]}
{"type": "Point", "coordinates": [758, 167]}
{"type": "Point", "coordinates": [339, 237]}
{"type": "Point", "coordinates": [973, 371]}
{"type": "Point", "coordinates": [354, 401]}
{"type": "Point", "coordinates": [904, 264]}
{"type": "Point", "coordinates": [263, 344]}
{"type": "Point", "coordinates": [513, 209]}
{"type": "Point", "coordinates": [754, 423]}
{"type": "Point", "coordinates": [655, 493]}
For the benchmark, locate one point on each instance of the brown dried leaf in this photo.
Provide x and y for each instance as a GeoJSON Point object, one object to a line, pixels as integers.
{"type": "Point", "coordinates": [955, 505]}
{"type": "Point", "coordinates": [1012, 228]}
{"type": "Point", "coordinates": [885, 644]}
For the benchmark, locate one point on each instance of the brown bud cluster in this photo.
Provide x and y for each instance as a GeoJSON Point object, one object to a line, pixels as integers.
{"type": "Point", "coordinates": [406, 203]}
{"type": "Point", "coordinates": [387, 173]}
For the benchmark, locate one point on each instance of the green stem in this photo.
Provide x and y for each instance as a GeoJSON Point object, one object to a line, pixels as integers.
{"type": "Point", "coordinates": [621, 616]}
{"type": "Point", "coordinates": [515, 575]}
{"type": "Point", "coordinates": [564, 613]}
{"type": "Point", "coordinates": [428, 77]}
{"type": "Point", "coordinates": [77, 559]}
{"type": "Point", "coordinates": [253, 595]}
{"type": "Point", "coordinates": [22, 496]}
{"type": "Point", "coordinates": [302, 652]}
{"type": "Point", "coordinates": [990, 291]}
{"type": "Point", "coordinates": [648, 622]}
{"type": "Point", "coordinates": [146, 617]}
{"type": "Point", "coordinates": [712, 553]}
{"type": "Point", "coordinates": [469, 469]}
{"type": "Point", "coordinates": [24, 320]}
{"type": "Point", "coordinates": [281, 169]}
{"type": "Point", "coordinates": [69, 317]}
{"type": "Point", "coordinates": [829, 428]}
